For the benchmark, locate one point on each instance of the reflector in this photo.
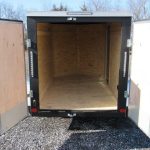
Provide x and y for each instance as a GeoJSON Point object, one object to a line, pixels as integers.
{"type": "Point", "coordinates": [34, 110]}
{"type": "Point", "coordinates": [122, 110]}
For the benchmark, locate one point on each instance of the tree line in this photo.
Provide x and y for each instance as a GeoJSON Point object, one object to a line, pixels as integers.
{"type": "Point", "coordinates": [140, 9]}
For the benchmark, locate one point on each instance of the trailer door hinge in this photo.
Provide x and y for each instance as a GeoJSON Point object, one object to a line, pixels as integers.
{"type": "Point", "coordinates": [126, 94]}
{"type": "Point", "coordinates": [28, 43]}
{"type": "Point", "coordinates": [129, 43]}
{"type": "Point", "coordinates": [31, 94]}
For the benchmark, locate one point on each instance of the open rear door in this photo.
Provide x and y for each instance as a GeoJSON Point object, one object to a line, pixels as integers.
{"type": "Point", "coordinates": [139, 102]}
{"type": "Point", "coordinates": [13, 107]}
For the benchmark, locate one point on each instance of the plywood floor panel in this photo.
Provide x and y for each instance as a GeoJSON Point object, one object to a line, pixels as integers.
{"type": "Point", "coordinates": [78, 93]}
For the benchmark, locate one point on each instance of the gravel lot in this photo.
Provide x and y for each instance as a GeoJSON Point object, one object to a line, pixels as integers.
{"type": "Point", "coordinates": [74, 134]}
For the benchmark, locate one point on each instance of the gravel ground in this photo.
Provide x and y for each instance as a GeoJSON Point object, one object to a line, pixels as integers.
{"type": "Point", "coordinates": [74, 134]}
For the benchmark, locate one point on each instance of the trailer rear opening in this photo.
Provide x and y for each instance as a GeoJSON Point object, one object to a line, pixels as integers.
{"type": "Point", "coordinates": [78, 65]}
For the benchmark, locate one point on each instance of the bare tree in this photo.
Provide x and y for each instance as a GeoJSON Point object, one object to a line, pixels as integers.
{"type": "Point", "coordinates": [8, 12]}
{"type": "Point", "coordinates": [139, 9]}
{"type": "Point", "coordinates": [84, 7]}
{"type": "Point", "coordinates": [100, 5]}
{"type": "Point", "coordinates": [61, 7]}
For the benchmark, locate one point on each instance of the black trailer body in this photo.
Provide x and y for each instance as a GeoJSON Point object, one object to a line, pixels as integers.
{"type": "Point", "coordinates": [74, 19]}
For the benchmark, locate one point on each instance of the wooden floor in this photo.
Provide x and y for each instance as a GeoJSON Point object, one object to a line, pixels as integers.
{"type": "Point", "coordinates": [78, 93]}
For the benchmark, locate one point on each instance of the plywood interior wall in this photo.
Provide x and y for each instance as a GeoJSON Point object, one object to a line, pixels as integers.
{"type": "Point", "coordinates": [12, 64]}
{"type": "Point", "coordinates": [114, 57]}
{"type": "Point", "coordinates": [65, 50]}
{"type": "Point", "coordinates": [76, 49]}
{"type": "Point", "coordinates": [45, 61]}
{"type": "Point", "coordinates": [91, 46]}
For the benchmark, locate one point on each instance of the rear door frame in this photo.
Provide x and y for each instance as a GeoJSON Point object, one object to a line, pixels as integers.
{"type": "Point", "coordinates": [33, 62]}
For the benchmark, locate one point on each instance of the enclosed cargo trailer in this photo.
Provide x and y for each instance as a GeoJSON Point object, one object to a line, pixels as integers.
{"type": "Point", "coordinates": [78, 63]}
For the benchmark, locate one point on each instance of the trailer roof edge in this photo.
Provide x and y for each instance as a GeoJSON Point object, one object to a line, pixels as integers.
{"type": "Point", "coordinates": [78, 14]}
{"type": "Point", "coordinates": [142, 21]}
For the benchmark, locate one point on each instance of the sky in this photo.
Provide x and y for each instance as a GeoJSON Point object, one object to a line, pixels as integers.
{"type": "Point", "coordinates": [46, 4]}
{"type": "Point", "coordinates": [43, 4]}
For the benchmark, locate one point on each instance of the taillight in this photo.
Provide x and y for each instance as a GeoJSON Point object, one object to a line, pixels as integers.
{"type": "Point", "coordinates": [34, 110]}
{"type": "Point", "coordinates": [122, 110]}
